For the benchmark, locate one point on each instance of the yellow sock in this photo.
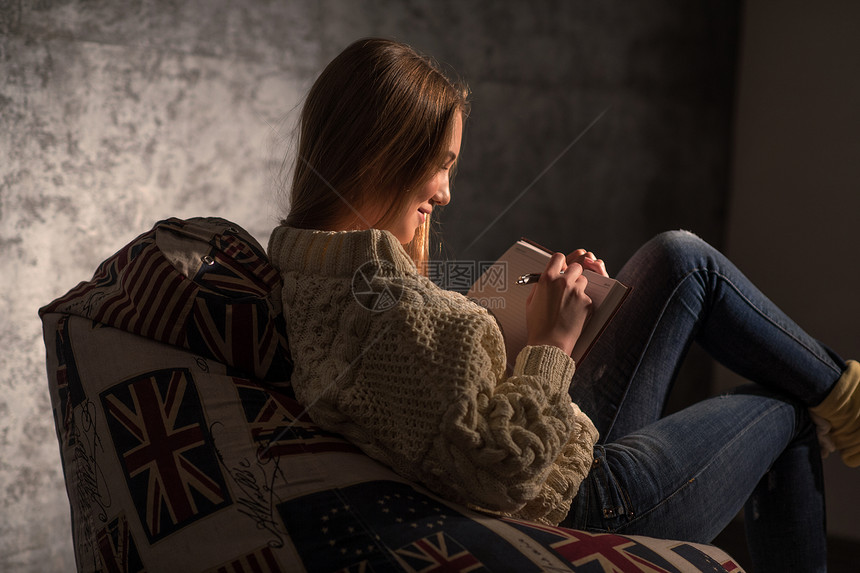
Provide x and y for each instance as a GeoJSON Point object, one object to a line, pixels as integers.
{"type": "Point", "coordinates": [841, 409]}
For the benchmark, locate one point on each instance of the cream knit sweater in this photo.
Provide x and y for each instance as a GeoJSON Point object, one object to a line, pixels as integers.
{"type": "Point", "coordinates": [415, 376]}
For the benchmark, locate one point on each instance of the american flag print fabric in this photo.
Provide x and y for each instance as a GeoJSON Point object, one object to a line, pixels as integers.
{"type": "Point", "coordinates": [163, 443]}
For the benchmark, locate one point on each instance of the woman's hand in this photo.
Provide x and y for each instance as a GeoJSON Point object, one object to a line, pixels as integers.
{"type": "Point", "coordinates": [588, 261]}
{"type": "Point", "coordinates": [558, 306]}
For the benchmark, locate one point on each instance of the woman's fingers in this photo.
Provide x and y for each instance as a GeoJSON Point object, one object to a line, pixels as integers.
{"type": "Point", "coordinates": [596, 266]}
{"type": "Point", "coordinates": [558, 306]}
{"type": "Point", "coordinates": [575, 256]}
{"type": "Point", "coordinates": [556, 265]}
{"type": "Point", "coordinates": [588, 261]}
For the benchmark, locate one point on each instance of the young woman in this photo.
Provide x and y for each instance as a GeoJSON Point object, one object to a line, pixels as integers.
{"type": "Point", "coordinates": [419, 382]}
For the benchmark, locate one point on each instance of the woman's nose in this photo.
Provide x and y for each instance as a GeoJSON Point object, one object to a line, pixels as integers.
{"type": "Point", "coordinates": [443, 195]}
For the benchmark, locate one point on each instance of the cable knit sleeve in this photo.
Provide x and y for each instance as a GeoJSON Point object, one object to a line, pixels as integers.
{"type": "Point", "coordinates": [415, 376]}
{"type": "Point", "coordinates": [442, 402]}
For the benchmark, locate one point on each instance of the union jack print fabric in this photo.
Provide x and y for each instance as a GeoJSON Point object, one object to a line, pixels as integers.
{"type": "Point", "coordinates": [437, 552]}
{"type": "Point", "coordinates": [117, 548]}
{"type": "Point", "coordinates": [615, 552]}
{"type": "Point", "coordinates": [161, 437]}
{"type": "Point", "coordinates": [280, 426]}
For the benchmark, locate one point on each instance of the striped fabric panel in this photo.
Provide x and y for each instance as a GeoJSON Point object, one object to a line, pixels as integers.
{"type": "Point", "coordinates": [154, 300]}
{"type": "Point", "coordinates": [260, 561]}
{"type": "Point", "coordinates": [222, 311]}
{"type": "Point", "coordinates": [136, 290]}
{"type": "Point", "coordinates": [82, 299]}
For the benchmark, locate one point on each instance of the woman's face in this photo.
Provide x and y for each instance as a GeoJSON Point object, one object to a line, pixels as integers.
{"type": "Point", "coordinates": [435, 191]}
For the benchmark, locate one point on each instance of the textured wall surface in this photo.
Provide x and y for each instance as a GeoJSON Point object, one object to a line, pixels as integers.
{"type": "Point", "coordinates": [114, 115]}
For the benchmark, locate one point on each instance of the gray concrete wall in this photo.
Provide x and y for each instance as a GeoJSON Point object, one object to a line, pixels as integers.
{"type": "Point", "coordinates": [114, 115]}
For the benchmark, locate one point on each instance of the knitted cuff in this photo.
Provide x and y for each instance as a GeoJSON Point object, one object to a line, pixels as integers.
{"type": "Point", "coordinates": [841, 409]}
{"type": "Point", "coordinates": [549, 362]}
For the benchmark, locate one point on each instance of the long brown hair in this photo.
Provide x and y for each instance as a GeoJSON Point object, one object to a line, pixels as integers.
{"type": "Point", "coordinates": [375, 125]}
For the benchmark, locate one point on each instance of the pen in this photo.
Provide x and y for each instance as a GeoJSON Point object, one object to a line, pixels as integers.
{"type": "Point", "coordinates": [528, 279]}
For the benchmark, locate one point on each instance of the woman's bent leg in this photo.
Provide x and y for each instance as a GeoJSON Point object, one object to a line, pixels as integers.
{"type": "Point", "coordinates": [684, 291]}
{"type": "Point", "coordinates": [687, 475]}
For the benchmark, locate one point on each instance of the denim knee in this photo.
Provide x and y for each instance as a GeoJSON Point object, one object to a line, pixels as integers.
{"type": "Point", "coordinates": [674, 252]}
{"type": "Point", "coordinates": [803, 424]}
{"type": "Point", "coordinates": [679, 242]}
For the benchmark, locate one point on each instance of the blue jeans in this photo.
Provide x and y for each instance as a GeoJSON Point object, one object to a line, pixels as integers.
{"type": "Point", "coordinates": [685, 476]}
